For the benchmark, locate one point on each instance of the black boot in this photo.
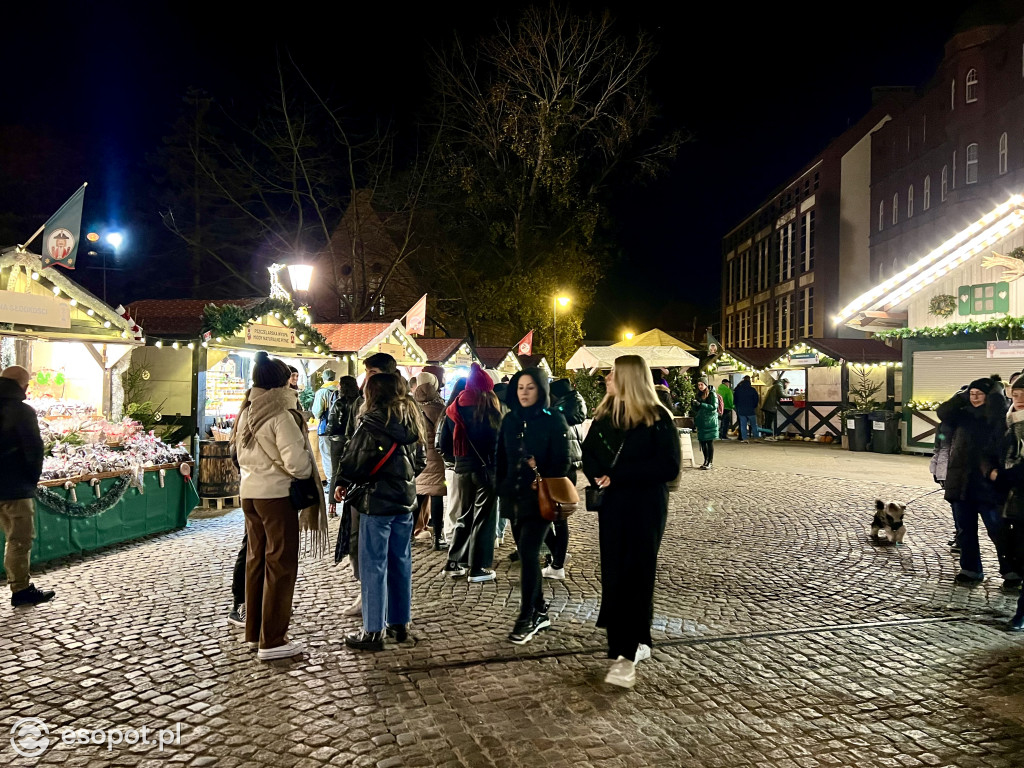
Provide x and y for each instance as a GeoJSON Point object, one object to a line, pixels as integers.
{"type": "Point", "coordinates": [437, 523]}
{"type": "Point", "coordinates": [31, 596]}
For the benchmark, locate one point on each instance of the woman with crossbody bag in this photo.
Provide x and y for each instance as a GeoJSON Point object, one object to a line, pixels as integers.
{"type": "Point", "coordinates": [382, 459]}
{"type": "Point", "coordinates": [530, 434]}
{"type": "Point", "coordinates": [630, 455]}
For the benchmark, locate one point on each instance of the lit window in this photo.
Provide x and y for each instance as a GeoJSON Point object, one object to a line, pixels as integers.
{"type": "Point", "coordinates": [927, 202]}
{"type": "Point", "coordinates": [910, 201]}
{"type": "Point", "coordinates": [944, 187]}
{"type": "Point", "coordinates": [1002, 154]}
{"type": "Point", "coordinates": [896, 208]}
{"type": "Point", "coordinates": [971, 92]}
{"type": "Point", "coordinates": [972, 164]}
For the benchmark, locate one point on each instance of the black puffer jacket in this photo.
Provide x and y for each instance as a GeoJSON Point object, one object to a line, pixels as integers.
{"type": "Point", "coordinates": [392, 490]}
{"type": "Point", "coordinates": [568, 402]}
{"type": "Point", "coordinates": [535, 431]}
{"type": "Point", "coordinates": [975, 444]}
{"type": "Point", "coordinates": [21, 447]}
{"type": "Point", "coordinates": [483, 437]}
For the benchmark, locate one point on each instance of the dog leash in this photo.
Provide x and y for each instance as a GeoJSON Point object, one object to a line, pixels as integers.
{"type": "Point", "coordinates": [926, 494]}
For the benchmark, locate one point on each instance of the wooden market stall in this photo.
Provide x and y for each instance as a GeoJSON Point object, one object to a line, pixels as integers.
{"type": "Point", "coordinates": [536, 361]}
{"type": "Point", "coordinates": [105, 480]}
{"type": "Point", "coordinates": [501, 361]}
{"type": "Point", "coordinates": [352, 343]}
{"type": "Point", "coordinates": [602, 358]}
{"type": "Point", "coordinates": [453, 356]}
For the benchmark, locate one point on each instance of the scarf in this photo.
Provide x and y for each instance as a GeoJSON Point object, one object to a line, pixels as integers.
{"type": "Point", "coordinates": [460, 438]}
{"type": "Point", "coordinates": [263, 405]}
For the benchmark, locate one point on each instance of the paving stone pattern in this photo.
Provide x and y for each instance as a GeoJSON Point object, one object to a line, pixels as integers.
{"type": "Point", "coordinates": [784, 639]}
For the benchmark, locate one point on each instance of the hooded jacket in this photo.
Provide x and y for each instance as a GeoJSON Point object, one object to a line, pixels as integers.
{"type": "Point", "coordinates": [976, 439]}
{"type": "Point", "coordinates": [771, 400]}
{"type": "Point", "coordinates": [392, 489]}
{"type": "Point", "coordinates": [21, 447]}
{"type": "Point", "coordinates": [536, 431]}
{"type": "Point", "coordinates": [277, 454]}
{"type": "Point", "coordinates": [430, 482]}
{"type": "Point", "coordinates": [570, 403]}
{"type": "Point", "coordinates": [745, 398]}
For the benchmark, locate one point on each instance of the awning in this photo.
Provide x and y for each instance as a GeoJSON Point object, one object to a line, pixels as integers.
{"type": "Point", "coordinates": [654, 338]}
{"type": "Point", "coordinates": [588, 358]}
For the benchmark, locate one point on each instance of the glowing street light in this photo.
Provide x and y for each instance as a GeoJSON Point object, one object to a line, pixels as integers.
{"type": "Point", "coordinates": [627, 335]}
{"type": "Point", "coordinates": [115, 239]}
{"type": "Point", "coordinates": [300, 276]}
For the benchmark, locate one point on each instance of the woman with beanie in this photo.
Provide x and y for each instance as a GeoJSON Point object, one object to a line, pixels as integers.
{"type": "Point", "coordinates": [469, 436]}
{"type": "Point", "coordinates": [705, 418]}
{"type": "Point", "coordinates": [632, 452]}
{"type": "Point", "coordinates": [975, 418]}
{"type": "Point", "coordinates": [273, 450]}
{"type": "Point", "coordinates": [430, 485]}
{"type": "Point", "coordinates": [380, 464]}
{"type": "Point", "coordinates": [530, 434]}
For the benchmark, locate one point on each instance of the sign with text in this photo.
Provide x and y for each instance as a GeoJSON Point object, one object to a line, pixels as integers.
{"type": "Point", "coordinates": [34, 310]}
{"type": "Point", "coordinates": [463, 359]}
{"type": "Point", "coordinates": [397, 351]}
{"type": "Point", "coordinates": [269, 335]}
{"type": "Point", "coordinates": [1004, 349]}
{"type": "Point", "coordinates": [803, 358]}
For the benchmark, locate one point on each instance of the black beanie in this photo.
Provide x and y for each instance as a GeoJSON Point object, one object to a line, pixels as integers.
{"type": "Point", "coordinates": [984, 385]}
{"type": "Point", "coordinates": [268, 373]}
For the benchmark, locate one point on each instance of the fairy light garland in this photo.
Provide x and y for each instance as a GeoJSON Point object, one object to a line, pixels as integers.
{"type": "Point", "coordinates": [1004, 322]}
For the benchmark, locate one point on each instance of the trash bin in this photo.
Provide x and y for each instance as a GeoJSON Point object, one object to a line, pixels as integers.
{"type": "Point", "coordinates": [858, 428]}
{"type": "Point", "coordinates": [885, 432]}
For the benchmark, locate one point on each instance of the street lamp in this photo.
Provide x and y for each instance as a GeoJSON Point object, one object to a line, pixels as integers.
{"type": "Point", "coordinates": [300, 275]}
{"type": "Point", "coordinates": [627, 335]}
{"type": "Point", "coordinates": [114, 240]}
{"type": "Point", "coordinates": [556, 300]}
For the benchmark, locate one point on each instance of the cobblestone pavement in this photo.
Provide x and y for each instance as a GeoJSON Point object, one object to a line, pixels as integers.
{"type": "Point", "coordinates": [784, 639]}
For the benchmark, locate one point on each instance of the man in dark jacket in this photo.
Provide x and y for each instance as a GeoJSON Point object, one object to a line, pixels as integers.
{"type": "Point", "coordinates": [771, 406]}
{"type": "Point", "coordinates": [745, 399]}
{"type": "Point", "coordinates": [21, 464]}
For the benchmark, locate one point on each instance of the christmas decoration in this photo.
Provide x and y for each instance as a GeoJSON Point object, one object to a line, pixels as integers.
{"type": "Point", "coordinates": [998, 324]}
{"type": "Point", "coordinates": [942, 305]}
{"type": "Point", "coordinates": [1012, 264]}
{"type": "Point", "coordinates": [69, 507]}
{"type": "Point", "coordinates": [228, 320]}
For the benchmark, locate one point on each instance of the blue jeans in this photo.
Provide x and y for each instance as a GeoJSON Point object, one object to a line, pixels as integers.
{"type": "Point", "coordinates": [748, 426]}
{"type": "Point", "coordinates": [325, 458]}
{"type": "Point", "coordinates": [385, 569]}
{"type": "Point", "coordinates": [966, 514]}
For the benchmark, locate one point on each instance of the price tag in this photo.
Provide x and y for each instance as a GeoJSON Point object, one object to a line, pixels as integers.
{"type": "Point", "coordinates": [851, 424]}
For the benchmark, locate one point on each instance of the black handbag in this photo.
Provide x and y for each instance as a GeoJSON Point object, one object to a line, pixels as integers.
{"type": "Point", "coordinates": [305, 492]}
{"type": "Point", "coordinates": [594, 495]}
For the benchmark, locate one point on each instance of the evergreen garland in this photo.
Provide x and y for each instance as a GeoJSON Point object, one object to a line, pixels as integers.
{"type": "Point", "coordinates": [229, 319]}
{"type": "Point", "coordinates": [62, 505]}
{"type": "Point", "coordinates": [955, 329]}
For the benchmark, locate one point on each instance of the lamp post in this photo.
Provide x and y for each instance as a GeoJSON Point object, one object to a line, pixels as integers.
{"type": "Point", "coordinates": [556, 300]}
{"type": "Point", "coordinates": [114, 240]}
{"type": "Point", "coordinates": [300, 275]}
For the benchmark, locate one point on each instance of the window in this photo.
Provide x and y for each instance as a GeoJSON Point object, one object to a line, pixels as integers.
{"type": "Point", "coordinates": [1002, 154]}
{"type": "Point", "coordinates": [983, 299]}
{"type": "Point", "coordinates": [805, 319]}
{"type": "Point", "coordinates": [730, 271]}
{"type": "Point", "coordinates": [881, 215]}
{"type": "Point", "coordinates": [762, 279]}
{"type": "Point", "coordinates": [910, 201]}
{"type": "Point", "coordinates": [927, 202]}
{"type": "Point", "coordinates": [971, 91]}
{"type": "Point", "coordinates": [952, 95]}
{"type": "Point", "coordinates": [943, 190]}
{"type": "Point", "coordinates": [747, 283]}
{"type": "Point", "coordinates": [807, 242]}
{"type": "Point", "coordinates": [896, 208]}
{"type": "Point", "coordinates": [972, 164]}
{"type": "Point", "coordinates": [786, 252]}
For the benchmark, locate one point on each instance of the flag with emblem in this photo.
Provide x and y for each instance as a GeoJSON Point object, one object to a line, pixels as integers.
{"type": "Point", "coordinates": [526, 344]}
{"type": "Point", "coordinates": [416, 318]}
{"type": "Point", "coordinates": [61, 232]}
{"type": "Point", "coordinates": [712, 343]}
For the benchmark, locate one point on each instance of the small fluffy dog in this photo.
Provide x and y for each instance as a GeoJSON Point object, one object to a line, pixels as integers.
{"type": "Point", "coordinates": [888, 519]}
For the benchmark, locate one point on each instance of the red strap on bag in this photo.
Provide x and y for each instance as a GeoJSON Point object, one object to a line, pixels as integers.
{"type": "Point", "coordinates": [384, 460]}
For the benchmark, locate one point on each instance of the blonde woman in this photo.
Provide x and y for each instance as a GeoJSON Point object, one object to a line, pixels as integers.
{"type": "Point", "coordinates": [632, 452]}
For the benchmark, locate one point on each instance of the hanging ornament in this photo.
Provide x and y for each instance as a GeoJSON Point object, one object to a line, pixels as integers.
{"type": "Point", "coordinates": [185, 469]}
{"type": "Point", "coordinates": [146, 374]}
{"type": "Point", "coordinates": [162, 476]}
{"type": "Point", "coordinates": [70, 487]}
{"type": "Point", "coordinates": [95, 483]}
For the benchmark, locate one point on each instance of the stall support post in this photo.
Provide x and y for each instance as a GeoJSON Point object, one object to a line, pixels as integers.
{"type": "Point", "coordinates": [844, 383]}
{"type": "Point", "coordinates": [199, 362]}
{"type": "Point", "coordinates": [890, 387]}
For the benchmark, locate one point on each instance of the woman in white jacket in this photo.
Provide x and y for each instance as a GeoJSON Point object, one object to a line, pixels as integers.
{"type": "Point", "coordinates": [272, 451]}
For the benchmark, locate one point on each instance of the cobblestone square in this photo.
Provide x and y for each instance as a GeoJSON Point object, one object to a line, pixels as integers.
{"type": "Point", "coordinates": [784, 639]}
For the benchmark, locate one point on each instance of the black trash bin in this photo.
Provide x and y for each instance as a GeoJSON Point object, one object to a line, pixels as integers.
{"type": "Point", "coordinates": [885, 432]}
{"type": "Point", "coordinates": [858, 430]}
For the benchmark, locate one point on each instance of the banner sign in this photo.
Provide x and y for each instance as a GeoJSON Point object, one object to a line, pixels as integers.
{"type": "Point", "coordinates": [269, 335]}
{"type": "Point", "coordinates": [803, 358]}
{"type": "Point", "coordinates": [1004, 349]}
{"type": "Point", "coordinates": [462, 359]}
{"type": "Point", "coordinates": [34, 310]}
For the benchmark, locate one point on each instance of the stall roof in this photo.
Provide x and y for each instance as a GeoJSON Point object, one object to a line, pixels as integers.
{"type": "Point", "coordinates": [492, 357]}
{"type": "Point", "coordinates": [655, 338]}
{"type": "Point", "coordinates": [856, 350]}
{"type": "Point", "coordinates": [604, 357]}
{"type": "Point", "coordinates": [758, 358]}
{"type": "Point", "coordinates": [439, 350]}
{"type": "Point", "coordinates": [533, 361]}
{"type": "Point", "coordinates": [178, 317]}
{"type": "Point", "coordinates": [350, 337]}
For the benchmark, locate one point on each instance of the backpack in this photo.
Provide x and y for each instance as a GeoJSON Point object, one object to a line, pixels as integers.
{"type": "Point", "coordinates": [332, 397]}
{"type": "Point", "coordinates": [721, 404]}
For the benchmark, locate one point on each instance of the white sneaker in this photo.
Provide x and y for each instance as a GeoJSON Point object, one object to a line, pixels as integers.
{"type": "Point", "coordinates": [622, 673]}
{"type": "Point", "coordinates": [551, 572]}
{"type": "Point", "coordinates": [643, 652]}
{"type": "Point", "coordinates": [356, 609]}
{"type": "Point", "coordinates": [286, 651]}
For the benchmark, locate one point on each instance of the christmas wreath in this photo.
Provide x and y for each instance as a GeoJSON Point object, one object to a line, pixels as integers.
{"type": "Point", "coordinates": [62, 504]}
{"type": "Point", "coordinates": [229, 319]}
{"type": "Point", "coordinates": [942, 305]}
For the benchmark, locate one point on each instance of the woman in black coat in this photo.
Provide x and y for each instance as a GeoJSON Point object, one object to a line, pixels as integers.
{"type": "Point", "coordinates": [632, 452]}
{"type": "Point", "coordinates": [529, 431]}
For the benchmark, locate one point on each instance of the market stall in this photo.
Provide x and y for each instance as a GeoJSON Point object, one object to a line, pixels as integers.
{"type": "Point", "coordinates": [502, 362]}
{"type": "Point", "coordinates": [453, 356]}
{"type": "Point", "coordinates": [602, 358]}
{"type": "Point", "coordinates": [352, 343]}
{"type": "Point", "coordinates": [106, 478]}
{"type": "Point", "coordinates": [536, 361]}
{"type": "Point", "coordinates": [654, 338]}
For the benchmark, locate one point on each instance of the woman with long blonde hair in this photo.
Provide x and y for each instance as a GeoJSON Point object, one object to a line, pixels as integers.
{"type": "Point", "coordinates": [631, 453]}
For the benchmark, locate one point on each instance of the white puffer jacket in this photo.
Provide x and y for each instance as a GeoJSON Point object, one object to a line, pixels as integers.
{"type": "Point", "coordinates": [279, 448]}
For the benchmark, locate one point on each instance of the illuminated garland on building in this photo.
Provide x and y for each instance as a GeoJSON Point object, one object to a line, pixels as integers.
{"type": "Point", "coordinates": [922, 405]}
{"type": "Point", "coordinates": [955, 329]}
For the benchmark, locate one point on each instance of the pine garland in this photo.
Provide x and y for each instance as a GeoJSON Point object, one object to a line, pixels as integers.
{"type": "Point", "coordinates": [62, 505]}
{"type": "Point", "coordinates": [1006, 323]}
{"type": "Point", "coordinates": [229, 319]}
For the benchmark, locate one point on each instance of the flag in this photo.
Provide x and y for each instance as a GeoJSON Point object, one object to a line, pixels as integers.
{"type": "Point", "coordinates": [526, 345]}
{"type": "Point", "coordinates": [416, 318]}
{"type": "Point", "coordinates": [713, 346]}
{"type": "Point", "coordinates": [61, 232]}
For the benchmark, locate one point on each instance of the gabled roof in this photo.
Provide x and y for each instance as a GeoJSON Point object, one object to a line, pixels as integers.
{"type": "Point", "coordinates": [439, 350]}
{"type": "Point", "coordinates": [758, 358]}
{"type": "Point", "coordinates": [350, 337]}
{"type": "Point", "coordinates": [856, 350]}
{"type": "Point", "coordinates": [533, 361]}
{"type": "Point", "coordinates": [655, 338]}
{"type": "Point", "coordinates": [492, 357]}
{"type": "Point", "coordinates": [177, 317]}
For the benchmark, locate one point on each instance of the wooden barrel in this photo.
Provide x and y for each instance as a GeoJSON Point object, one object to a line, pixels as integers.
{"type": "Point", "coordinates": [217, 474]}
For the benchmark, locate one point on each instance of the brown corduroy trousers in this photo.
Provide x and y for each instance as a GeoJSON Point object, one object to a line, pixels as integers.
{"type": "Point", "coordinates": [271, 567]}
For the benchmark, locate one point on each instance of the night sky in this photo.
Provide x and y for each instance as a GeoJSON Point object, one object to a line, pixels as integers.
{"type": "Point", "coordinates": [761, 98]}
